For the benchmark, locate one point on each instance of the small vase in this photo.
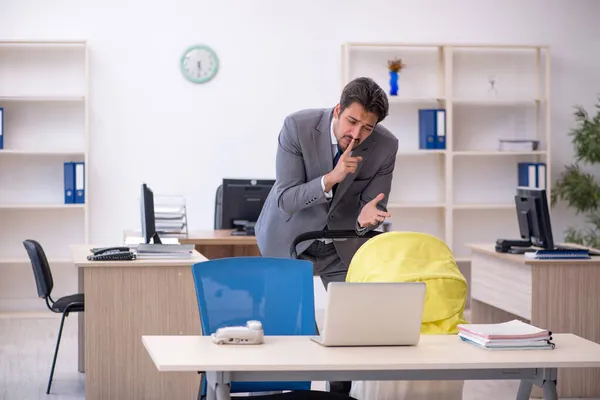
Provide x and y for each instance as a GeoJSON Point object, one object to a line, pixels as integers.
{"type": "Point", "coordinates": [393, 83]}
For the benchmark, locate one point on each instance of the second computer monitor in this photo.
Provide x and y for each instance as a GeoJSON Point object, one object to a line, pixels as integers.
{"type": "Point", "coordinates": [148, 218]}
{"type": "Point", "coordinates": [243, 200]}
{"type": "Point", "coordinates": [533, 215]}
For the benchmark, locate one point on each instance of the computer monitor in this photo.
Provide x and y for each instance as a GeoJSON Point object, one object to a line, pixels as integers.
{"type": "Point", "coordinates": [242, 202]}
{"type": "Point", "coordinates": [533, 215]}
{"type": "Point", "coordinates": [147, 213]}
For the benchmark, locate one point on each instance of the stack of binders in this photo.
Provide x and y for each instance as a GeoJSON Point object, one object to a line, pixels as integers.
{"type": "Point", "coordinates": [511, 335]}
{"type": "Point", "coordinates": [74, 176]}
{"type": "Point", "coordinates": [432, 129]}
{"type": "Point", "coordinates": [532, 175]}
{"type": "Point", "coordinates": [518, 144]}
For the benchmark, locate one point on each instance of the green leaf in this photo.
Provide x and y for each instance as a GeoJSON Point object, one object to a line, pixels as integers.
{"type": "Point", "coordinates": [578, 189]}
{"type": "Point", "coordinates": [590, 236]}
{"type": "Point", "coordinates": [573, 236]}
{"type": "Point", "coordinates": [586, 136]}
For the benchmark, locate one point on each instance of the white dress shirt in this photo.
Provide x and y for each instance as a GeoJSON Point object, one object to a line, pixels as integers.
{"type": "Point", "coordinates": [334, 150]}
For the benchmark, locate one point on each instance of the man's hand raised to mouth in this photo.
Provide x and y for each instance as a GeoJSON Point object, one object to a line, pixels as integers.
{"type": "Point", "coordinates": [346, 165]}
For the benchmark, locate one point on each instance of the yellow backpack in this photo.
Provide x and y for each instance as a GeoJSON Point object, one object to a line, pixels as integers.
{"type": "Point", "coordinates": [416, 257]}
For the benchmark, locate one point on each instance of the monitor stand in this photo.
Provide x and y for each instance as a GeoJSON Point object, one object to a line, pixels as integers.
{"type": "Point", "coordinates": [521, 250]}
{"type": "Point", "coordinates": [155, 239]}
{"type": "Point", "coordinates": [513, 246]}
{"type": "Point", "coordinates": [243, 228]}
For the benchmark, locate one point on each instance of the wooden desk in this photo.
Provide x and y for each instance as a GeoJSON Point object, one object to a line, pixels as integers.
{"type": "Point", "coordinates": [220, 243]}
{"type": "Point", "coordinates": [560, 295]}
{"type": "Point", "coordinates": [436, 357]}
{"type": "Point", "coordinates": [123, 301]}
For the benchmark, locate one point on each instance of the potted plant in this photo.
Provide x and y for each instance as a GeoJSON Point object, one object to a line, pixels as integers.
{"type": "Point", "coordinates": [394, 66]}
{"type": "Point", "coordinates": [577, 187]}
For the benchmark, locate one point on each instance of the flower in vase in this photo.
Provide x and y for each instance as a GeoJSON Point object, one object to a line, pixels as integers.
{"type": "Point", "coordinates": [396, 65]}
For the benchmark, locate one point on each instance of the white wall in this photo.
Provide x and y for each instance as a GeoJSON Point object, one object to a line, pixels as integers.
{"type": "Point", "coordinates": [149, 124]}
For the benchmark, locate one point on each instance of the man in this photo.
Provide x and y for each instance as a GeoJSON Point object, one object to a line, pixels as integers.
{"type": "Point", "coordinates": [333, 171]}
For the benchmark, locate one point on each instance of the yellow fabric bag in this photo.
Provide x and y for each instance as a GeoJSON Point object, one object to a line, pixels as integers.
{"type": "Point", "coordinates": [416, 257]}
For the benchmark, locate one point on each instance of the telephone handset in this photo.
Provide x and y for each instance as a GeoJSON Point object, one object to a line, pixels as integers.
{"type": "Point", "coordinates": [117, 253]}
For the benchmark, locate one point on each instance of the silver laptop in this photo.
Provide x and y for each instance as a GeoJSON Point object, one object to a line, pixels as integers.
{"type": "Point", "coordinates": [373, 314]}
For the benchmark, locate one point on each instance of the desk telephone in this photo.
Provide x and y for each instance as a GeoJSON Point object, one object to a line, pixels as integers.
{"type": "Point", "coordinates": [252, 333]}
{"type": "Point", "coordinates": [118, 253]}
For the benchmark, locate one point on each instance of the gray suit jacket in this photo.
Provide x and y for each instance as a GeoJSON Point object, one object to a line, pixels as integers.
{"type": "Point", "coordinates": [297, 204]}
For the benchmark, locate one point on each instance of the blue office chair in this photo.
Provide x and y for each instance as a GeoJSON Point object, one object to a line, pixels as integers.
{"type": "Point", "coordinates": [278, 292]}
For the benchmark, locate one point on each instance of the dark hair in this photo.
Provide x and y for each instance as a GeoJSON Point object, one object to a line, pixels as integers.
{"type": "Point", "coordinates": [368, 94]}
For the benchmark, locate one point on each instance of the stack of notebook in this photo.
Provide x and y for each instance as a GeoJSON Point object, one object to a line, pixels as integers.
{"type": "Point", "coordinates": [512, 335]}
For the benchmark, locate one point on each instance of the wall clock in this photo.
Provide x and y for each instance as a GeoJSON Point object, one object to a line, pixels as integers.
{"type": "Point", "coordinates": [199, 64]}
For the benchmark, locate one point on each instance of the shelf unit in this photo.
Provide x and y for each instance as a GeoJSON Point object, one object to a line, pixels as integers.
{"type": "Point", "coordinates": [465, 192]}
{"type": "Point", "coordinates": [44, 94]}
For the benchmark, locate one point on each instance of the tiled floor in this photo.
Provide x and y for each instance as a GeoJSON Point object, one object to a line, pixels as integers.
{"type": "Point", "coordinates": [27, 345]}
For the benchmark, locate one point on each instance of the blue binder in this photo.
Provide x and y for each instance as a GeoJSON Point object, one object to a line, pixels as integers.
{"type": "Point", "coordinates": [79, 183]}
{"type": "Point", "coordinates": [1, 128]}
{"type": "Point", "coordinates": [69, 182]}
{"type": "Point", "coordinates": [532, 175]}
{"type": "Point", "coordinates": [432, 128]}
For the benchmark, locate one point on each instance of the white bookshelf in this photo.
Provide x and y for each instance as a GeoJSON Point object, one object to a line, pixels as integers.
{"type": "Point", "coordinates": [44, 93]}
{"type": "Point", "coordinates": [464, 193]}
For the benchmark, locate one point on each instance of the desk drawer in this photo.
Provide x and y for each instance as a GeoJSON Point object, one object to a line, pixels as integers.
{"type": "Point", "coordinates": [501, 283]}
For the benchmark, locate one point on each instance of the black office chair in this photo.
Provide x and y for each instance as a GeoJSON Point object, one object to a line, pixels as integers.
{"type": "Point", "coordinates": [303, 395]}
{"type": "Point", "coordinates": [326, 234]}
{"type": "Point", "coordinates": [45, 284]}
{"type": "Point", "coordinates": [294, 395]}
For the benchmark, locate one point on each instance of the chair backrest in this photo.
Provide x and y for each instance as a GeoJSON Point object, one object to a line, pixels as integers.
{"type": "Point", "coordinates": [218, 207]}
{"type": "Point", "coordinates": [277, 292]}
{"type": "Point", "coordinates": [41, 268]}
{"type": "Point", "coordinates": [416, 257]}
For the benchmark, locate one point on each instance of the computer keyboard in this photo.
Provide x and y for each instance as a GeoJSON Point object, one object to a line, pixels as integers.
{"type": "Point", "coordinates": [119, 248]}
{"type": "Point", "coordinates": [112, 255]}
{"type": "Point", "coordinates": [592, 252]}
